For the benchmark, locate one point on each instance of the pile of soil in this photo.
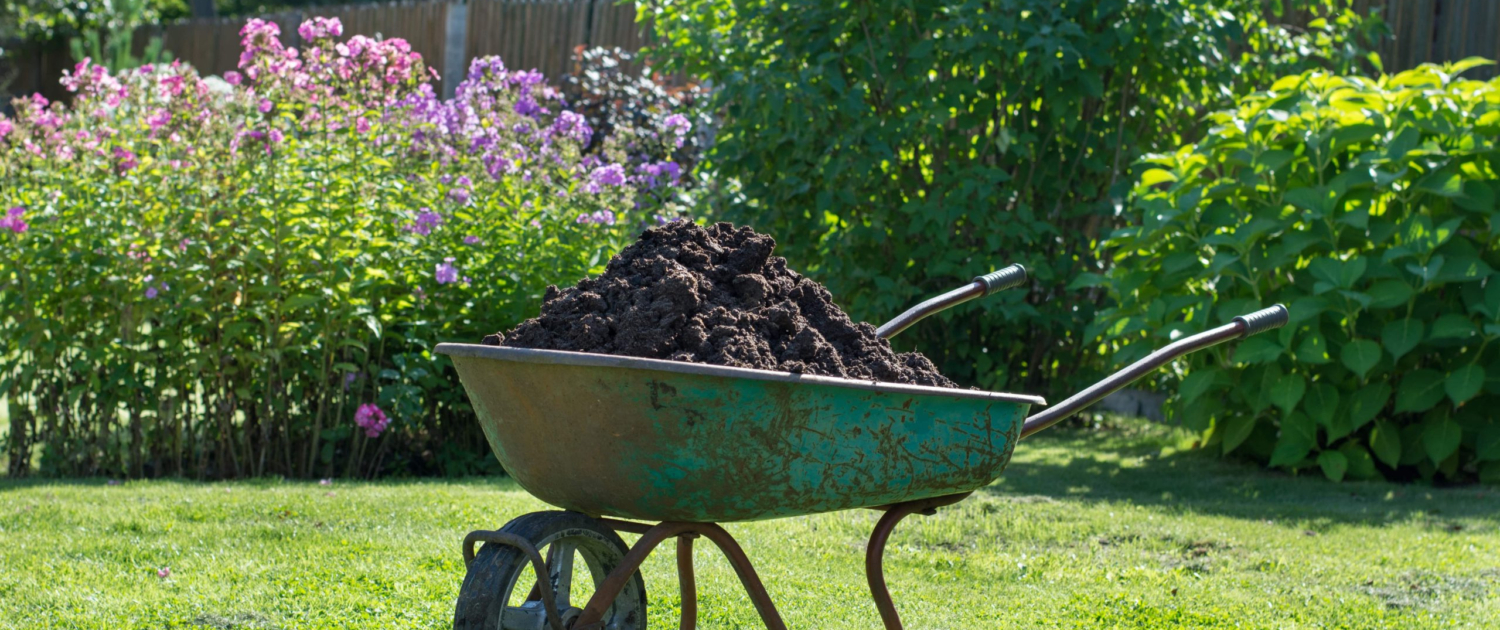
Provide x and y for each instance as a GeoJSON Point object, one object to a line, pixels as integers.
{"type": "Point", "coordinates": [714, 295]}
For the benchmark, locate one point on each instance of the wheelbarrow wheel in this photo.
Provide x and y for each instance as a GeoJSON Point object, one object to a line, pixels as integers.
{"type": "Point", "coordinates": [485, 601]}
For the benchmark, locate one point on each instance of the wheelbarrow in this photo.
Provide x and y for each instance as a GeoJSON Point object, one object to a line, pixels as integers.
{"type": "Point", "coordinates": [667, 450]}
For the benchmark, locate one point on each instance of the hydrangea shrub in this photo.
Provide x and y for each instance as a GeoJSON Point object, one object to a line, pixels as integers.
{"type": "Point", "coordinates": [208, 277]}
{"type": "Point", "coordinates": [1369, 207]}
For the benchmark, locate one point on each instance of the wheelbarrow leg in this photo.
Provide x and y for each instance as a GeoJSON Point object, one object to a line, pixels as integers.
{"type": "Point", "coordinates": [655, 535]}
{"type": "Point", "coordinates": [686, 582]}
{"type": "Point", "coordinates": [875, 551]}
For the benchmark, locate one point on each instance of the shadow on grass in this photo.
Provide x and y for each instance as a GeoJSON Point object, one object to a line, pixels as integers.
{"type": "Point", "coordinates": [1128, 466]}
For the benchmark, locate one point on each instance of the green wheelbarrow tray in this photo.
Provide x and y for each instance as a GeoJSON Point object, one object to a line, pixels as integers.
{"type": "Point", "coordinates": [671, 441]}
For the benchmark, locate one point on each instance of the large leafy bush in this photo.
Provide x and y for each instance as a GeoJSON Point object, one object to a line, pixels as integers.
{"type": "Point", "coordinates": [897, 149]}
{"type": "Point", "coordinates": [1369, 206]}
{"type": "Point", "coordinates": [208, 277]}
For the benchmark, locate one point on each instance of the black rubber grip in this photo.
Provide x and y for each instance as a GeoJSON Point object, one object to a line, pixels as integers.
{"type": "Point", "coordinates": [1263, 320]}
{"type": "Point", "coordinates": [1007, 278]}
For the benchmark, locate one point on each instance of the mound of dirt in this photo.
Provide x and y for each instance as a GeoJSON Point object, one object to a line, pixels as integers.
{"type": "Point", "coordinates": [714, 295]}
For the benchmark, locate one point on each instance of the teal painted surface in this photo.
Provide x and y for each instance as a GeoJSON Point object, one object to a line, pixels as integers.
{"type": "Point", "coordinates": [655, 445]}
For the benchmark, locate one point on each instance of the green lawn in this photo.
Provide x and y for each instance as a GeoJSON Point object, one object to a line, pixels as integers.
{"type": "Point", "coordinates": [1113, 529]}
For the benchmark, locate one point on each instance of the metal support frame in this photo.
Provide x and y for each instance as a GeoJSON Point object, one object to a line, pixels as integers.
{"type": "Point", "coordinates": [654, 535]}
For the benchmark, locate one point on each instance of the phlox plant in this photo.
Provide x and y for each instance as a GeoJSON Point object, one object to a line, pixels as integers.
{"type": "Point", "coordinates": [209, 277]}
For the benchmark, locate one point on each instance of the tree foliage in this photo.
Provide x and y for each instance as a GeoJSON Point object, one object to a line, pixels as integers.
{"type": "Point", "coordinates": [897, 149]}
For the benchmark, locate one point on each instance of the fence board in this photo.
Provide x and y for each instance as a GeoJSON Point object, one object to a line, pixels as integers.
{"type": "Point", "coordinates": [541, 34]}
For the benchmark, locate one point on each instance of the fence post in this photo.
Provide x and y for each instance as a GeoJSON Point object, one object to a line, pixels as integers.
{"type": "Point", "coordinates": [454, 45]}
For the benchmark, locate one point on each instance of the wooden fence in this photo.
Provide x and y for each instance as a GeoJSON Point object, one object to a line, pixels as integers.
{"type": "Point", "coordinates": [541, 34]}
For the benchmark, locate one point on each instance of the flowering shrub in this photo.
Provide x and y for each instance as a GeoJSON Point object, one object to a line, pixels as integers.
{"type": "Point", "coordinates": [208, 277]}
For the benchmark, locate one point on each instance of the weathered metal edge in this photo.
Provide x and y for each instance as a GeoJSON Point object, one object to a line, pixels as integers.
{"type": "Point", "coordinates": [560, 357]}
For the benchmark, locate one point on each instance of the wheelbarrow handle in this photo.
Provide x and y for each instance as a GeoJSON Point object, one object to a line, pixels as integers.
{"type": "Point", "coordinates": [1007, 278]}
{"type": "Point", "coordinates": [1241, 327]}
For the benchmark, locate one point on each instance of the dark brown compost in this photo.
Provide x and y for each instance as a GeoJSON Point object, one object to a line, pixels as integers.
{"type": "Point", "coordinates": [714, 295]}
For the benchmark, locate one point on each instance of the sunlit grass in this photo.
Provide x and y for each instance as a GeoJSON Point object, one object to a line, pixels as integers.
{"type": "Point", "coordinates": [1102, 529]}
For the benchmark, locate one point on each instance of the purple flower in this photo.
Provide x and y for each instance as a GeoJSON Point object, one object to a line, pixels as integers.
{"type": "Point", "coordinates": [426, 221]}
{"type": "Point", "coordinates": [678, 125]}
{"type": "Point", "coordinates": [572, 125]}
{"type": "Point", "coordinates": [599, 217]}
{"type": "Point", "coordinates": [150, 293]}
{"type": "Point", "coordinates": [446, 272]}
{"type": "Point", "coordinates": [612, 175]}
{"type": "Point", "coordinates": [459, 196]}
{"type": "Point", "coordinates": [233, 78]}
{"type": "Point", "coordinates": [471, 240]}
{"type": "Point", "coordinates": [370, 418]}
{"type": "Point", "coordinates": [265, 106]}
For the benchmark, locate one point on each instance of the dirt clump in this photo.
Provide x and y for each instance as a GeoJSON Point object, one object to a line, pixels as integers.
{"type": "Point", "coordinates": [714, 295]}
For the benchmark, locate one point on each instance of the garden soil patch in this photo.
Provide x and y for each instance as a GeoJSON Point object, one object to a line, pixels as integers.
{"type": "Point", "coordinates": [714, 295]}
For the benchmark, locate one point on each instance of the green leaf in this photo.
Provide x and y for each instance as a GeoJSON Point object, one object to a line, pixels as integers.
{"type": "Point", "coordinates": [1156, 176]}
{"type": "Point", "coordinates": [1369, 401]}
{"type": "Point", "coordinates": [1401, 335]}
{"type": "Point", "coordinates": [1298, 437]}
{"type": "Point", "coordinates": [1389, 294]}
{"type": "Point", "coordinates": [1288, 392]}
{"type": "Point", "coordinates": [1445, 182]}
{"type": "Point", "coordinates": [1359, 356]}
{"type": "Point", "coordinates": [1361, 465]}
{"type": "Point", "coordinates": [1236, 430]}
{"type": "Point", "coordinates": [1419, 391]}
{"type": "Point", "coordinates": [1464, 383]}
{"type": "Point", "coordinates": [1487, 446]}
{"type": "Point", "coordinates": [1385, 441]}
{"type": "Point", "coordinates": [1334, 464]}
{"type": "Point", "coordinates": [1441, 437]}
{"type": "Point", "coordinates": [1490, 473]}
{"type": "Point", "coordinates": [1257, 350]}
{"type": "Point", "coordinates": [1198, 382]}
{"type": "Point", "coordinates": [1464, 269]}
{"type": "Point", "coordinates": [1453, 326]}
{"type": "Point", "coordinates": [1312, 350]}
{"type": "Point", "coordinates": [1321, 403]}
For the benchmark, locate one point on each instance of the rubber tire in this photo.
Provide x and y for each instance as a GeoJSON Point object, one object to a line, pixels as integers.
{"type": "Point", "coordinates": [498, 568]}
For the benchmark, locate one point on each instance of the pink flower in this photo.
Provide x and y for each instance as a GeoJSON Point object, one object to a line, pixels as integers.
{"type": "Point", "coordinates": [471, 240]}
{"type": "Point", "coordinates": [265, 106]}
{"type": "Point", "coordinates": [172, 85]}
{"type": "Point", "coordinates": [233, 78]}
{"type": "Point", "coordinates": [164, 573]}
{"type": "Point", "coordinates": [320, 28]}
{"type": "Point", "coordinates": [5, 126]}
{"type": "Point", "coordinates": [370, 418]}
{"type": "Point", "coordinates": [13, 221]}
{"type": "Point", "coordinates": [446, 272]}
{"type": "Point", "coordinates": [362, 125]}
{"type": "Point", "coordinates": [159, 119]}
{"type": "Point", "coordinates": [325, 482]}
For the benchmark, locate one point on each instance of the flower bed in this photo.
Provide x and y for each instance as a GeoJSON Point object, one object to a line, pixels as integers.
{"type": "Point", "coordinates": [207, 277]}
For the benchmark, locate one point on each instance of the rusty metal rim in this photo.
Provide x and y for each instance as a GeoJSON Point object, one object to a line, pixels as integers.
{"type": "Point", "coordinates": [589, 359]}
